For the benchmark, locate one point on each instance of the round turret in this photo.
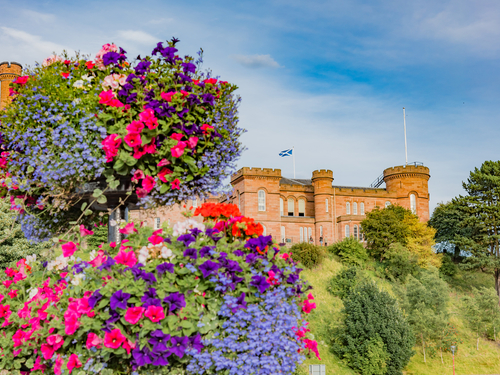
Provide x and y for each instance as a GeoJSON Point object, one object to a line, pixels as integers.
{"type": "Point", "coordinates": [8, 73]}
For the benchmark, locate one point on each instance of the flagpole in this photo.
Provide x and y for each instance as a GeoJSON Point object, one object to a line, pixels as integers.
{"type": "Point", "coordinates": [293, 154]}
{"type": "Point", "coordinates": [406, 148]}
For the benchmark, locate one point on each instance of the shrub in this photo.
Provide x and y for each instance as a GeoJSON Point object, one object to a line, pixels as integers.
{"type": "Point", "coordinates": [308, 254]}
{"type": "Point", "coordinates": [374, 335]}
{"type": "Point", "coordinates": [341, 284]}
{"type": "Point", "coordinates": [100, 236]}
{"type": "Point", "coordinates": [400, 262]}
{"type": "Point", "coordinates": [350, 251]}
{"type": "Point", "coordinates": [448, 268]}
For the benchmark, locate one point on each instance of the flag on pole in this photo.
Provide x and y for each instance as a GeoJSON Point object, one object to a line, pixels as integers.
{"type": "Point", "coordinates": [288, 152]}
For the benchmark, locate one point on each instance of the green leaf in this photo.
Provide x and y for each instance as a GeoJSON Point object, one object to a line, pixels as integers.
{"type": "Point", "coordinates": [84, 205]}
{"type": "Point", "coordinates": [114, 184]}
{"type": "Point", "coordinates": [164, 188]}
{"type": "Point", "coordinates": [88, 212]}
{"type": "Point", "coordinates": [102, 199]}
{"type": "Point", "coordinates": [97, 193]}
{"type": "Point", "coordinates": [30, 169]}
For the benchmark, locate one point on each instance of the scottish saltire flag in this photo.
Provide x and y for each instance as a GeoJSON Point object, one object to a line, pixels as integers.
{"type": "Point", "coordinates": [286, 152]}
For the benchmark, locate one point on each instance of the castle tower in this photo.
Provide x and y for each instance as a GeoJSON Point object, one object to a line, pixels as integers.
{"type": "Point", "coordinates": [8, 73]}
{"type": "Point", "coordinates": [410, 185]}
{"type": "Point", "coordinates": [323, 206]}
{"type": "Point", "coordinates": [257, 194]}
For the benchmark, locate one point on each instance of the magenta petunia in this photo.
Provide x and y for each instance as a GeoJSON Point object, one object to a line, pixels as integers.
{"type": "Point", "coordinates": [69, 249]}
{"type": "Point", "coordinates": [126, 258]}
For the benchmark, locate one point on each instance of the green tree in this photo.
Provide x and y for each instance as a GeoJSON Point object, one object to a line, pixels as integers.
{"type": "Point", "coordinates": [481, 210]}
{"type": "Point", "coordinates": [447, 220]}
{"type": "Point", "coordinates": [308, 254]}
{"type": "Point", "coordinates": [482, 312]}
{"type": "Point", "coordinates": [350, 250]}
{"type": "Point", "coordinates": [342, 283]}
{"type": "Point", "coordinates": [424, 301]}
{"type": "Point", "coordinates": [374, 336]}
{"type": "Point", "coordinates": [400, 262]}
{"type": "Point", "coordinates": [13, 244]}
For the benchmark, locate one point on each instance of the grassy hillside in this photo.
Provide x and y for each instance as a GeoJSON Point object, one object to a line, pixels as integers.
{"type": "Point", "coordinates": [468, 360]}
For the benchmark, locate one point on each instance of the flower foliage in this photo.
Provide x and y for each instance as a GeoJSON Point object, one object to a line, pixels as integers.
{"type": "Point", "coordinates": [192, 300]}
{"type": "Point", "coordinates": [158, 121]}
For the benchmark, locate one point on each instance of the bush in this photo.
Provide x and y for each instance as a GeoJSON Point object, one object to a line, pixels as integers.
{"type": "Point", "coordinates": [341, 284]}
{"type": "Point", "coordinates": [448, 268]}
{"type": "Point", "coordinates": [13, 245]}
{"type": "Point", "coordinates": [400, 263]}
{"type": "Point", "coordinates": [350, 251]}
{"type": "Point", "coordinates": [374, 337]}
{"type": "Point", "coordinates": [308, 254]}
{"type": "Point", "coordinates": [100, 236]}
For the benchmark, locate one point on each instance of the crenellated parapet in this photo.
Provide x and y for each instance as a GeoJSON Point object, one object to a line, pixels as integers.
{"type": "Point", "coordinates": [8, 73]}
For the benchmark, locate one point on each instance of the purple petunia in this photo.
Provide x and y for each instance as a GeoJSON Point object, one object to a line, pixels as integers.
{"type": "Point", "coordinates": [205, 250]}
{"type": "Point", "coordinates": [164, 267]}
{"type": "Point", "coordinates": [159, 341]}
{"type": "Point", "coordinates": [175, 301]}
{"type": "Point", "coordinates": [110, 58]}
{"type": "Point", "coordinates": [94, 298]}
{"type": "Point", "coordinates": [186, 239]}
{"type": "Point", "coordinates": [179, 345]}
{"type": "Point", "coordinates": [107, 264]}
{"type": "Point", "coordinates": [260, 243]}
{"type": "Point", "coordinates": [195, 342]}
{"type": "Point", "coordinates": [208, 268]}
{"type": "Point", "coordinates": [142, 67]}
{"type": "Point", "coordinates": [142, 357]}
{"type": "Point", "coordinates": [260, 283]}
{"type": "Point", "coordinates": [191, 253]}
{"type": "Point", "coordinates": [119, 299]}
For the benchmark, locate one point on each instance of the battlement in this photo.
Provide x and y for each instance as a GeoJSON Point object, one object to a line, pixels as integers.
{"type": "Point", "coordinates": [8, 73]}
{"type": "Point", "coordinates": [10, 68]}
{"type": "Point", "coordinates": [403, 171]}
{"type": "Point", "coordinates": [257, 172]}
{"type": "Point", "coordinates": [322, 173]}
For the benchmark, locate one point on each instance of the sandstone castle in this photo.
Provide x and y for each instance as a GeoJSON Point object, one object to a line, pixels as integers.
{"type": "Point", "coordinates": [298, 210]}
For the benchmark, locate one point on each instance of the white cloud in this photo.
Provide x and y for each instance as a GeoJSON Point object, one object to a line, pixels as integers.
{"type": "Point", "coordinates": [37, 16]}
{"type": "Point", "coordinates": [137, 36]}
{"type": "Point", "coordinates": [256, 61]}
{"type": "Point", "coordinates": [33, 42]}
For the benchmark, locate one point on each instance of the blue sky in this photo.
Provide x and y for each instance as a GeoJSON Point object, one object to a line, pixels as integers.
{"type": "Point", "coordinates": [327, 77]}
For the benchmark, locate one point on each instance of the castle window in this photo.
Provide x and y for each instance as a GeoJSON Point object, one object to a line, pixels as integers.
{"type": "Point", "coordinates": [361, 233]}
{"type": "Point", "coordinates": [195, 203]}
{"type": "Point", "coordinates": [413, 203]}
{"type": "Point", "coordinates": [262, 200]}
{"type": "Point", "coordinates": [302, 207]}
{"type": "Point", "coordinates": [301, 234]}
{"type": "Point", "coordinates": [282, 234]}
{"type": "Point", "coordinates": [354, 208]}
{"type": "Point", "coordinates": [326, 204]}
{"type": "Point", "coordinates": [361, 208]}
{"type": "Point", "coordinates": [157, 223]}
{"type": "Point", "coordinates": [321, 234]}
{"type": "Point", "coordinates": [310, 234]}
{"type": "Point", "coordinates": [387, 204]}
{"type": "Point", "coordinates": [282, 210]}
{"type": "Point", "coordinates": [355, 232]}
{"type": "Point", "coordinates": [347, 231]}
{"type": "Point", "coordinates": [291, 206]}
{"type": "Point", "coordinates": [264, 229]}
{"type": "Point", "coordinates": [239, 199]}
{"type": "Point", "coordinates": [348, 208]}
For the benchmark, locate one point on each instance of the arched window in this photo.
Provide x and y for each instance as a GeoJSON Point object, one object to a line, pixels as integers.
{"type": "Point", "coordinates": [361, 208]}
{"type": "Point", "coordinates": [347, 230]}
{"type": "Point", "coordinates": [326, 204]}
{"type": "Point", "coordinates": [283, 234]}
{"type": "Point", "coordinates": [262, 200]}
{"type": "Point", "coordinates": [301, 234]}
{"type": "Point", "coordinates": [355, 231]}
{"type": "Point", "coordinates": [413, 203]}
{"type": "Point", "coordinates": [264, 229]}
{"type": "Point", "coordinates": [348, 208]}
{"type": "Point", "coordinates": [302, 207]}
{"type": "Point", "coordinates": [354, 208]}
{"type": "Point", "coordinates": [282, 210]}
{"type": "Point", "coordinates": [291, 207]}
{"type": "Point", "coordinates": [361, 233]}
{"type": "Point", "coordinates": [387, 204]}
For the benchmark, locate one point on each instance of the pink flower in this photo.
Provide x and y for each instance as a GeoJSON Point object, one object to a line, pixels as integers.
{"type": "Point", "coordinates": [90, 65]}
{"type": "Point", "coordinates": [148, 117]}
{"type": "Point", "coordinates": [93, 340]}
{"type": "Point", "coordinates": [71, 323]}
{"type": "Point", "coordinates": [206, 128]}
{"type": "Point", "coordinates": [151, 147]}
{"type": "Point", "coordinates": [141, 193]}
{"type": "Point", "coordinates": [135, 127]}
{"type": "Point", "coordinates": [7, 283]}
{"type": "Point", "coordinates": [128, 345]}
{"type": "Point", "coordinates": [54, 342]}
{"type": "Point", "coordinates": [310, 296]}
{"type": "Point", "coordinates": [126, 258]}
{"type": "Point", "coordinates": [178, 149]}
{"type": "Point", "coordinates": [176, 184]}
{"type": "Point", "coordinates": [312, 346]}
{"type": "Point", "coordinates": [69, 249]}
{"type": "Point", "coordinates": [13, 293]}
{"type": "Point", "coordinates": [192, 142]}
{"type": "Point", "coordinates": [106, 97]}
{"type": "Point", "coordinates": [4, 311]}
{"type": "Point", "coordinates": [177, 136]}
{"type": "Point", "coordinates": [38, 365]}
{"type": "Point", "coordinates": [139, 152]}
{"type": "Point", "coordinates": [113, 339]}
{"type": "Point", "coordinates": [307, 306]}
{"type": "Point", "coordinates": [134, 314]}
{"type": "Point", "coordinates": [167, 96]}
{"type": "Point", "coordinates": [138, 175]}
{"type": "Point", "coordinates": [156, 232]}
{"type": "Point", "coordinates": [133, 139]}
{"type": "Point", "coordinates": [163, 173]}
{"type": "Point", "coordinates": [98, 260]}
{"type": "Point", "coordinates": [285, 256]}
{"type": "Point", "coordinates": [155, 240]}
{"type": "Point", "coordinates": [163, 162]}
{"type": "Point", "coordinates": [73, 362]}
{"type": "Point", "coordinates": [129, 229]}
{"type": "Point", "coordinates": [271, 279]}
{"type": "Point", "coordinates": [155, 313]}
{"type": "Point", "coordinates": [110, 146]}
{"type": "Point", "coordinates": [58, 365]}
{"type": "Point", "coordinates": [1, 297]}
{"type": "Point", "coordinates": [85, 232]}
{"type": "Point", "coordinates": [18, 338]}
{"type": "Point", "coordinates": [21, 80]}
{"type": "Point", "coordinates": [148, 183]}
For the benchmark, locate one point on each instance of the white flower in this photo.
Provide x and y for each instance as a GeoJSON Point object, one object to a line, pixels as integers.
{"type": "Point", "coordinates": [78, 279]}
{"type": "Point", "coordinates": [166, 253]}
{"type": "Point", "coordinates": [59, 263]}
{"type": "Point", "coordinates": [32, 293]}
{"type": "Point", "coordinates": [143, 255]}
{"type": "Point", "coordinates": [87, 78]}
{"type": "Point", "coordinates": [182, 227]}
{"type": "Point", "coordinates": [30, 259]}
{"type": "Point", "coordinates": [78, 84]}
{"type": "Point", "coordinates": [77, 101]}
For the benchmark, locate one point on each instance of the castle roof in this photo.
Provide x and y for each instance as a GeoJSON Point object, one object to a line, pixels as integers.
{"type": "Point", "coordinates": [308, 182]}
